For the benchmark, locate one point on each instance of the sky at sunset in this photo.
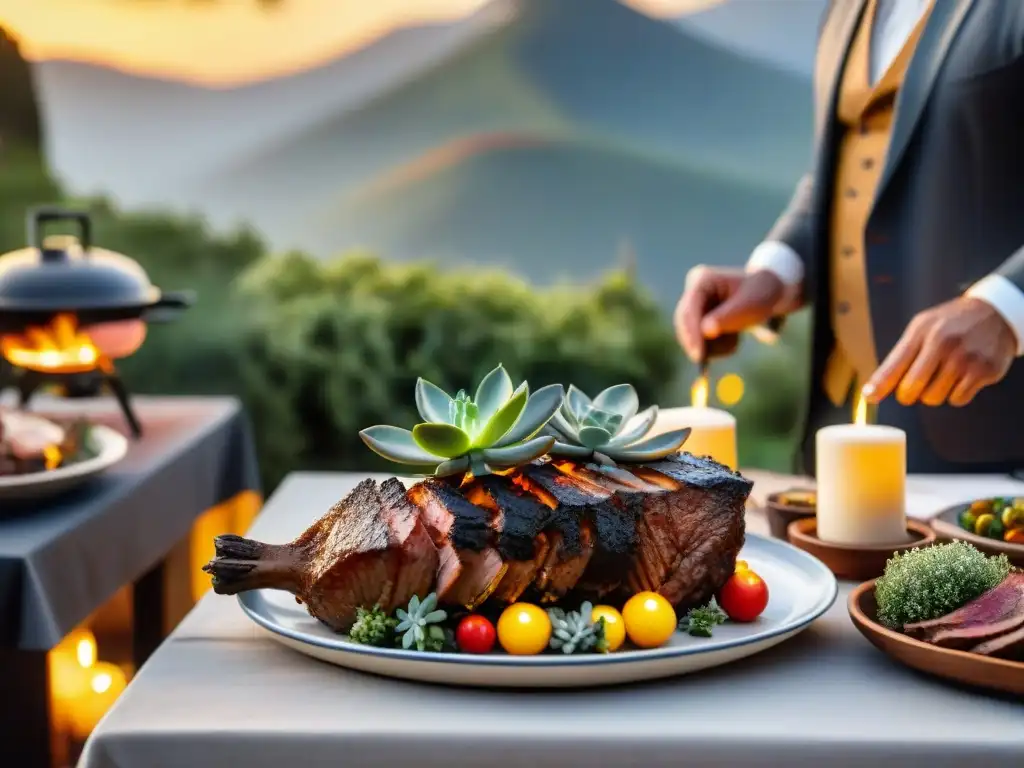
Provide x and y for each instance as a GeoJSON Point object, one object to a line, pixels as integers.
{"type": "Point", "coordinates": [230, 41]}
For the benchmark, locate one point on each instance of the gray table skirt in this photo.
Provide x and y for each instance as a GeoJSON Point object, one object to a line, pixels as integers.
{"type": "Point", "coordinates": [59, 563]}
{"type": "Point", "coordinates": [219, 692]}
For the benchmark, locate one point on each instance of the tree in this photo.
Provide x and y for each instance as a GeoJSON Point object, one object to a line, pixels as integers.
{"type": "Point", "coordinates": [19, 118]}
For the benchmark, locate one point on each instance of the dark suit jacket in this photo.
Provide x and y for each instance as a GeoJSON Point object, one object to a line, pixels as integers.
{"type": "Point", "coordinates": [949, 210]}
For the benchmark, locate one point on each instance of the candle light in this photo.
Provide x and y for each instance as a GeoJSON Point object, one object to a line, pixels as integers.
{"type": "Point", "coordinates": [861, 477]}
{"type": "Point", "coordinates": [106, 683]}
{"type": "Point", "coordinates": [69, 671]}
{"type": "Point", "coordinates": [713, 431]}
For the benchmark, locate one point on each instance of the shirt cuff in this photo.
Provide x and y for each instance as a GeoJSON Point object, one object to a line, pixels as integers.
{"type": "Point", "coordinates": [1006, 299]}
{"type": "Point", "coordinates": [781, 260]}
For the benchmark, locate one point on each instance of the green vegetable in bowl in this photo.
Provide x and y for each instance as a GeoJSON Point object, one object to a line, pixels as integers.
{"type": "Point", "coordinates": [925, 584]}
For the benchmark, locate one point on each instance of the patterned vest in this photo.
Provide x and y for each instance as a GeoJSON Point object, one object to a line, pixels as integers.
{"type": "Point", "coordinates": [865, 114]}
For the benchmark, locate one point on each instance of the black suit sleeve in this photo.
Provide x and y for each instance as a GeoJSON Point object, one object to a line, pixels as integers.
{"type": "Point", "coordinates": [1013, 269]}
{"type": "Point", "coordinates": [795, 227]}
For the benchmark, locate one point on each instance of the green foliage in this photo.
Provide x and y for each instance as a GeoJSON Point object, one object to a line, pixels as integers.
{"type": "Point", "coordinates": [19, 117]}
{"type": "Point", "coordinates": [927, 583]}
{"type": "Point", "coordinates": [319, 350]}
{"type": "Point", "coordinates": [343, 342]}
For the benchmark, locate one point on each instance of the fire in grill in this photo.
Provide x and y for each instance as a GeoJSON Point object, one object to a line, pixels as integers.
{"type": "Point", "coordinates": [68, 310]}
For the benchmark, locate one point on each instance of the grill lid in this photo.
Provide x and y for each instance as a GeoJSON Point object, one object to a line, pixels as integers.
{"type": "Point", "coordinates": [68, 274]}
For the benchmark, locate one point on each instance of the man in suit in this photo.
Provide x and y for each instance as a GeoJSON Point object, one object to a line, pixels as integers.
{"type": "Point", "coordinates": [907, 235]}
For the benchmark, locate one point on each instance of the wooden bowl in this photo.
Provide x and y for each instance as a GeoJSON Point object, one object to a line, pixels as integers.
{"type": "Point", "coordinates": [958, 666]}
{"type": "Point", "coordinates": [784, 507]}
{"type": "Point", "coordinates": [947, 527]}
{"type": "Point", "coordinates": [856, 562]}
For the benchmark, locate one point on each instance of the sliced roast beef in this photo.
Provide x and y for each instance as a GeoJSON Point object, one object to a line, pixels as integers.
{"type": "Point", "coordinates": [695, 531]}
{"type": "Point", "coordinates": [994, 613]}
{"type": "Point", "coordinates": [1008, 646]}
{"type": "Point", "coordinates": [469, 567]}
{"type": "Point", "coordinates": [519, 521]}
{"type": "Point", "coordinates": [419, 559]}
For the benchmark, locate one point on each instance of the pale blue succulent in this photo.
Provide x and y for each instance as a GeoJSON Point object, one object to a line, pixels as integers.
{"type": "Point", "coordinates": [498, 429]}
{"type": "Point", "coordinates": [418, 624]}
{"type": "Point", "coordinates": [608, 429]}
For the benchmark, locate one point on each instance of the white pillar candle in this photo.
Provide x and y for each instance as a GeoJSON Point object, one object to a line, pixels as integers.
{"type": "Point", "coordinates": [861, 479]}
{"type": "Point", "coordinates": [714, 431]}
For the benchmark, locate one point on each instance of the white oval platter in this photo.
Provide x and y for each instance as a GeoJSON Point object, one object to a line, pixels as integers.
{"type": "Point", "coordinates": [800, 589]}
{"type": "Point", "coordinates": [113, 447]}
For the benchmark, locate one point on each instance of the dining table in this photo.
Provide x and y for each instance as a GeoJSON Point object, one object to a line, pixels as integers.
{"type": "Point", "coordinates": [220, 691]}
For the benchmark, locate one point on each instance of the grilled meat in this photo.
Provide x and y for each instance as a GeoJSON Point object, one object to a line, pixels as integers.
{"type": "Point", "coordinates": [544, 532]}
{"type": "Point", "coordinates": [992, 624]}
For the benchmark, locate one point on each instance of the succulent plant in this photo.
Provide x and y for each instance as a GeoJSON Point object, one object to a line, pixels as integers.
{"type": "Point", "coordinates": [495, 430]}
{"type": "Point", "coordinates": [575, 631]}
{"type": "Point", "coordinates": [419, 624]}
{"type": "Point", "coordinates": [608, 428]}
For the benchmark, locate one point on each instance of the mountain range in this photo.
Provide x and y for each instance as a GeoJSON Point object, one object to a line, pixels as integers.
{"type": "Point", "coordinates": [537, 134]}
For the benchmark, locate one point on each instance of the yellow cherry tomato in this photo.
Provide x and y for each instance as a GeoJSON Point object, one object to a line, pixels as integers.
{"type": "Point", "coordinates": [741, 565]}
{"type": "Point", "coordinates": [614, 626]}
{"type": "Point", "coordinates": [524, 629]}
{"type": "Point", "coordinates": [650, 619]}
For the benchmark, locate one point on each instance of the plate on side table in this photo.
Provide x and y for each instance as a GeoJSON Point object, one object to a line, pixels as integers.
{"type": "Point", "coordinates": [801, 590]}
{"type": "Point", "coordinates": [111, 447]}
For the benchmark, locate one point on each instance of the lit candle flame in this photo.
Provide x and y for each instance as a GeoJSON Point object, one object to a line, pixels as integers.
{"type": "Point", "coordinates": [699, 392]}
{"type": "Point", "coordinates": [86, 652]}
{"type": "Point", "coordinates": [860, 410]}
{"type": "Point", "coordinates": [101, 682]}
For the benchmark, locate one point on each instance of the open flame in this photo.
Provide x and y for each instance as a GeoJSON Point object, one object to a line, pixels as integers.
{"type": "Point", "coordinates": [860, 410]}
{"type": "Point", "coordinates": [699, 392]}
{"type": "Point", "coordinates": [57, 348]}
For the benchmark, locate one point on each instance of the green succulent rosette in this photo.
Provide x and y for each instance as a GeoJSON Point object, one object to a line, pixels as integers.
{"type": "Point", "coordinates": [608, 429]}
{"type": "Point", "coordinates": [497, 429]}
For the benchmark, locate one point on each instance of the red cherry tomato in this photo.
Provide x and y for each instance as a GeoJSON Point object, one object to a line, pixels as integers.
{"type": "Point", "coordinates": [475, 634]}
{"type": "Point", "coordinates": [744, 596]}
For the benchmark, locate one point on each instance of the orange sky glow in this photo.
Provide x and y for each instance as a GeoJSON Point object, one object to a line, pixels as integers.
{"type": "Point", "coordinates": [230, 41]}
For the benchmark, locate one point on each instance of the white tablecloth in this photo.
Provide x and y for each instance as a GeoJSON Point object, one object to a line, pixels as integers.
{"type": "Point", "coordinates": [220, 693]}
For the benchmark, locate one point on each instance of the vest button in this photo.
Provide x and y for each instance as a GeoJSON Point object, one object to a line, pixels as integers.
{"type": "Point", "coordinates": [867, 163]}
{"type": "Point", "coordinates": [847, 250]}
{"type": "Point", "coordinates": [851, 192]}
{"type": "Point", "coordinates": [843, 307]}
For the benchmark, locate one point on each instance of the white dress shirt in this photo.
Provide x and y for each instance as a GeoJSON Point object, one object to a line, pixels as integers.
{"type": "Point", "coordinates": [893, 23]}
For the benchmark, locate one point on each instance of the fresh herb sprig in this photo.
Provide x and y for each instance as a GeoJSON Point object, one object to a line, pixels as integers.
{"type": "Point", "coordinates": [701, 621]}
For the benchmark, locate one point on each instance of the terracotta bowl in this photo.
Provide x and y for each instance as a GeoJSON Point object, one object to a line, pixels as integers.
{"type": "Point", "coordinates": [958, 666]}
{"type": "Point", "coordinates": [855, 562]}
{"type": "Point", "coordinates": [784, 507]}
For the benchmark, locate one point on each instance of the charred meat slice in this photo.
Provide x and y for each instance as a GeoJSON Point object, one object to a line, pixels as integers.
{"type": "Point", "coordinates": [695, 531]}
{"type": "Point", "coordinates": [470, 568]}
{"type": "Point", "coordinates": [419, 559]}
{"type": "Point", "coordinates": [345, 560]}
{"type": "Point", "coordinates": [519, 521]}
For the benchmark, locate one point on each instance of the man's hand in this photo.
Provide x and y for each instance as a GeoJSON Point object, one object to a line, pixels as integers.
{"type": "Point", "coordinates": [719, 301]}
{"type": "Point", "coordinates": [947, 354]}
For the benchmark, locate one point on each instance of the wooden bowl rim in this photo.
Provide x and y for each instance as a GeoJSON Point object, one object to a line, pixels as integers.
{"type": "Point", "coordinates": [865, 622]}
{"type": "Point", "coordinates": [953, 530]}
{"type": "Point", "coordinates": [806, 530]}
